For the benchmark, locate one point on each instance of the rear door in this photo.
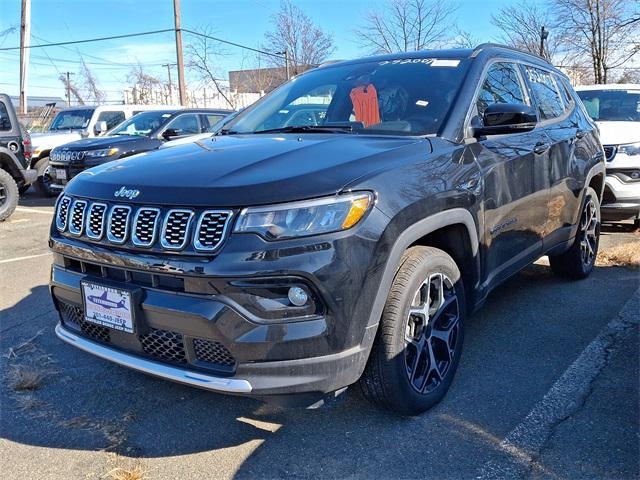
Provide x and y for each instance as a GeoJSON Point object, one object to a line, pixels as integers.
{"type": "Point", "coordinates": [559, 121]}
{"type": "Point", "coordinates": [515, 187]}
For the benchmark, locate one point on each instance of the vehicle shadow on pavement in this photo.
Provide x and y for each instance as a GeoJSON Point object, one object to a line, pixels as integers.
{"type": "Point", "coordinates": [524, 338]}
{"type": "Point", "coordinates": [31, 199]}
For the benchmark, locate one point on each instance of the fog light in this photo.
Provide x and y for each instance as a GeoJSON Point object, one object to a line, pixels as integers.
{"type": "Point", "coordinates": [297, 296]}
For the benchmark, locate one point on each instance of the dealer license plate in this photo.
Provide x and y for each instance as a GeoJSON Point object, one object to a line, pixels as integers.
{"type": "Point", "coordinates": [108, 306]}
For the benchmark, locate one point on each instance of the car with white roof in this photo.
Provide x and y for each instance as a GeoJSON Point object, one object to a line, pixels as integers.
{"type": "Point", "coordinates": [616, 111]}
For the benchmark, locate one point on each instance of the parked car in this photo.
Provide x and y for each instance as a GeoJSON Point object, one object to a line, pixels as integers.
{"type": "Point", "coordinates": [16, 173]}
{"type": "Point", "coordinates": [616, 111]}
{"type": "Point", "coordinates": [289, 261]}
{"type": "Point", "coordinates": [73, 124]}
{"type": "Point", "coordinates": [214, 128]}
{"type": "Point", "coordinates": [141, 133]}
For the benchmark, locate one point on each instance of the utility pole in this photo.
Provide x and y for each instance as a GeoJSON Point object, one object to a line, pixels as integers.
{"type": "Point", "coordinates": [25, 41]}
{"type": "Point", "coordinates": [544, 34]}
{"type": "Point", "coordinates": [169, 65]}
{"type": "Point", "coordinates": [286, 62]}
{"type": "Point", "coordinates": [68, 85]}
{"type": "Point", "coordinates": [180, 62]}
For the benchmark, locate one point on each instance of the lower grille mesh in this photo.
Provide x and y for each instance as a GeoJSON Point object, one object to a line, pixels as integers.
{"type": "Point", "coordinates": [212, 352]}
{"type": "Point", "coordinates": [164, 344]}
{"type": "Point", "coordinates": [72, 314]}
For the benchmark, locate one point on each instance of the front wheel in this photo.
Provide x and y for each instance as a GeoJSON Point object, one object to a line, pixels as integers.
{"type": "Point", "coordinates": [43, 183]}
{"type": "Point", "coordinates": [579, 260]}
{"type": "Point", "coordinates": [419, 340]}
{"type": "Point", "coordinates": [8, 195]}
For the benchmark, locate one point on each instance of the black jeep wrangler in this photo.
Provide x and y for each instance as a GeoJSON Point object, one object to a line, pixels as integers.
{"type": "Point", "coordinates": [297, 259]}
{"type": "Point", "coordinates": [15, 158]}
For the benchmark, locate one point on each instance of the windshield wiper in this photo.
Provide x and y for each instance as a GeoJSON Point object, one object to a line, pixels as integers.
{"type": "Point", "coordinates": [225, 131]}
{"type": "Point", "coordinates": [310, 129]}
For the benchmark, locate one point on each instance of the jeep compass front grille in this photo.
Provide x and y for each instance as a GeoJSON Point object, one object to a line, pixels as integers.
{"type": "Point", "coordinates": [144, 227]}
{"type": "Point", "coordinates": [95, 222]}
{"type": "Point", "coordinates": [63, 213]}
{"type": "Point", "coordinates": [119, 223]}
{"type": "Point", "coordinates": [151, 228]}
{"type": "Point", "coordinates": [76, 223]}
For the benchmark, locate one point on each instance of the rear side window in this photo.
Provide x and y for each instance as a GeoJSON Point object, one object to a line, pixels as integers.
{"type": "Point", "coordinates": [112, 118]}
{"type": "Point", "coordinates": [501, 85]}
{"type": "Point", "coordinates": [186, 124]}
{"type": "Point", "coordinates": [212, 119]}
{"type": "Point", "coordinates": [545, 92]}
{"type": "Point", "coordinates": [5, 121]}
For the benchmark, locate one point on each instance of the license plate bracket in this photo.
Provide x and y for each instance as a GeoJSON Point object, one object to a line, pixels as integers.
{"type": "Point", "coordinates": [61, 173]}
{"type": "Point", "coordinates": [112, 305]}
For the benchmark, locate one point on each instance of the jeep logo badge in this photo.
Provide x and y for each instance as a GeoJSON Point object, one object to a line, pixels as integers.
{"type": "Point", "coordinates": [126, 193]}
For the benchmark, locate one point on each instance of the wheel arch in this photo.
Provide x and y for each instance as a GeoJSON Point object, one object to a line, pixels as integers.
{"type": "Point", "coordinates": [596, 179]}
{"type": "Point", "coordinates": [456, 225]}
{"type": "Point", "coordinates": [10, 163]}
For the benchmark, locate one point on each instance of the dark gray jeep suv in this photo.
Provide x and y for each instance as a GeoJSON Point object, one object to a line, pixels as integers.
{"type": "Point", "coordinates": [282, 259]}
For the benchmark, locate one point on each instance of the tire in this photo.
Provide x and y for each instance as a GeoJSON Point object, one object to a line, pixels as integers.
{"type": "Point", "coordinates": [43, 183]}
{"type": "Point", "coordinates": [400, 374]}
{"type": "Point", "coordinates": [636, 223]}
{"type": "Point", "coordinates": [578, 262]}
{"type": "Point", "coordinates": [8, 195]}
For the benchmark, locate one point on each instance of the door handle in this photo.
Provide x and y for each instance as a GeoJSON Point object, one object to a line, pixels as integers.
{"type": "Point", "coordinates": [540, 148]}
{"type": "Point", "coordinates": [580, 134]}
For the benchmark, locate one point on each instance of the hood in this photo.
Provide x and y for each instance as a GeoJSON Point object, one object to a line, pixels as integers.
{"type": "Point", "coordinates": [240, 170]}
{"type": "Point", "coordinates": [49, 140]}
{"type": "Point", "coordinates": [618, 133]}
{"type": "Point", "coordinates": [104, 142]}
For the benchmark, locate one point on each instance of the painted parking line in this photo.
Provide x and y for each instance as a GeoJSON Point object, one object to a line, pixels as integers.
{"type": "Point", "coordinates": [33, 210]}
{"type": "Point", "coordinates": [27, 257]}
{"type": "Point", "coordinates": [523, 444]}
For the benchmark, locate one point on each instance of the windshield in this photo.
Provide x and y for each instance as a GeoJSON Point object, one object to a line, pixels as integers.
{"type": "Point", "coordinates": [612, 105]}
{"type": "Point", "coordinates": [72, 119]}
{"type": "Point", "coordinates": [394, 97]}
{"type": "Point", "coordinates": [141, 124]}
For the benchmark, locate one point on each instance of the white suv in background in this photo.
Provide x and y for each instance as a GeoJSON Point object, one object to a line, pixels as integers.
{"type": "Point", "coordinates": [616, 110]}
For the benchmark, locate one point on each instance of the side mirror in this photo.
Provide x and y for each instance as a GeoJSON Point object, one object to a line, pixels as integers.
{"type": "Point", "coordinates": [503, 118]}
{"type": "Point", "coordinates": [171, 133]}
{"type": "Point", "coordinates": [100, 127]}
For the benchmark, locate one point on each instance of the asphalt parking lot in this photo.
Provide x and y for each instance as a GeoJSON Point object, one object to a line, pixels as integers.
{"type": "Point", "coordinates": [547, 388]}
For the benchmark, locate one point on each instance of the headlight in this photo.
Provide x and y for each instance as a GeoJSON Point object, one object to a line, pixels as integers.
{"type": "Point", "coordinates": [309, 217]}
{"type": "Point", "coordinates": [104, 152]}
{"type": "Point", "coordinates": [630, 149]}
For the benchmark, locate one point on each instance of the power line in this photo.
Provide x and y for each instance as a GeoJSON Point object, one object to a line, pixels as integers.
{"type": "Point", "coordinates": [99, 39]}
{"type": "Point", "coordinates": [264, 52]}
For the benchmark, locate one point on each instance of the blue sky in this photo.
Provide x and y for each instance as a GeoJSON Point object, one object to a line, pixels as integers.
{"type": "Point", "coordinates": [242, 21]}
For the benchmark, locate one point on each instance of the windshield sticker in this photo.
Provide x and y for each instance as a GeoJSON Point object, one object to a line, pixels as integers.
{"type": "Point", "coordinates": [445, 63]}
{"type": "Point", "coordinates": [422, 103]}
{"type": "Point", "coordinates": [633, 92]}
{"type": "Point", "coordinates": [166, 115]}
{"type": "Point", "coordinates": [405, 61]}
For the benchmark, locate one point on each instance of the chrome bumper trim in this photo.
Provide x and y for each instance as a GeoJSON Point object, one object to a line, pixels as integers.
{"type": "Point", "coordinates": [196, 379]}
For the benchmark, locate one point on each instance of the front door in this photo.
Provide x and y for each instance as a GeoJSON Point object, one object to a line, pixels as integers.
{"type": "Point", "coordinates": [516, 184]}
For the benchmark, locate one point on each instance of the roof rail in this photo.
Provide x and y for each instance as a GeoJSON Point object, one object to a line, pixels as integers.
{"type": "Point", "coordinates": [483, 46]}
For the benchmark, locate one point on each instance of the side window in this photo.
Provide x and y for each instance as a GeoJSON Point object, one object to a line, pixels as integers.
{"type": "Point", "coordinates": [186, 124]}
{"type": "Point", "coordinates": [112, 118]}
{"type": "Point", "coordinates": [566, 95]}
{"type": "Point", "coordinates": [5, 121]}
{"type": "Point", "coordinates": [545, 92]}
{"type": "Point", "coordinates": [501, 85]}
{"type": "Point", "coordinates": [212, 119]}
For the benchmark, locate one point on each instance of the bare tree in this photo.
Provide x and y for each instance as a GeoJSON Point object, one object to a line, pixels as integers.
{"type": "Point", "coordinates": [521, 25]}
{"type": "Point", "coordinates": [604, 31]}
{"type": "Point", "coordinates": [407, 25]}
{"type": "Point", "coordinates": [90, 85]}
{"type": "Point", "coordinates": [202, 56]}
{"type": "Point", "coordinates": [144, 85]}
{"type": "Point", "coordinates": [464, 39]}
{"type": "Point", "coordinates": [294, 32]}
{"type": "Point", "coordinates": [72, 88]}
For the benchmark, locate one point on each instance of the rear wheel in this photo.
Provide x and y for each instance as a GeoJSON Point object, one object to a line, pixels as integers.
{"type": "Point", "coordinates": [43, 183]}
{"type": "Point", "coordinates": [8, 195]}
{"type": "Point", "coordinates": [579, 260]}
{"type": "Point", "coordinates": [419, 341]}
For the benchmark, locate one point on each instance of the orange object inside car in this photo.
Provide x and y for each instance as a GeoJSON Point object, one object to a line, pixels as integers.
{"type": "Point", "coordinates": [365, 104]}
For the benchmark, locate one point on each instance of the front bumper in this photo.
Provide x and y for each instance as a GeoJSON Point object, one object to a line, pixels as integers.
{"type": "Point", "coordinates": [30, 175]}
{"type": "Point", "coordinates": [188, 299]}
{"type": "Point", "coordinates": [621, 199]}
